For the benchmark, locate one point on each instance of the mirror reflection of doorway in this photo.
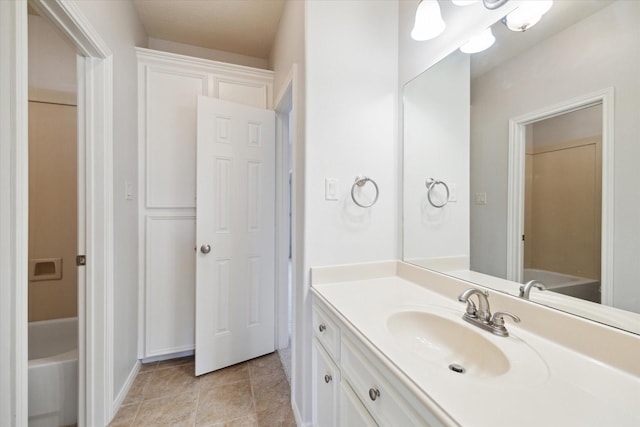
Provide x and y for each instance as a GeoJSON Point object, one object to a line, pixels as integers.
{"type": "Point", "coordinates": [562, 209]}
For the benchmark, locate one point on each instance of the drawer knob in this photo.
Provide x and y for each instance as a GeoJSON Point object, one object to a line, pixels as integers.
{"type": "Point", "coordinates": [327, 378]}
{"type": "Point", "coordinates": [374, 393]}
{"type": "Point", "coordinates": [322, 328]}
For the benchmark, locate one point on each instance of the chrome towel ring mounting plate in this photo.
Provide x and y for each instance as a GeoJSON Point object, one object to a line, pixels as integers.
{"type": "Point", "coordinates": [431, 184]}
{"type": "Point", "coordinates": [360, 182]}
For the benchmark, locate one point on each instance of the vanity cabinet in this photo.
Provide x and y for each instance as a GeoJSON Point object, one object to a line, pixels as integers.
{"type": "Point", "coordinates": [352, 387]}
{"type": "Point", "coordinates": [326, 387]}
{"type": "Point", "coordinates": [168, 89]}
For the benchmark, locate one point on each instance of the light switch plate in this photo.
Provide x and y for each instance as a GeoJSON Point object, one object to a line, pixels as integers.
{"type": "Point", "coordinates": [453, 193]}
{"type": "Point", "coordinates": [330, 189]}
{"type": "Point", "coordinates": [128, 191]}
{"type": "Point", "coordinates": [480, 198]}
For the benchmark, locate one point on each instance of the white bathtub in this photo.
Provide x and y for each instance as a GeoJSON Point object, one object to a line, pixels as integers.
{"type": "Point", "coordinates": [579, 287]}
{"type": "Point", "coordinates": [53, 373]}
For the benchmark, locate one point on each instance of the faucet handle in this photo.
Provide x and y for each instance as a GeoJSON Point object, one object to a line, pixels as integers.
{"type": "Point", "coordinates": [471, 308]}
{"type": "Point", "coordinates": [498, 318]}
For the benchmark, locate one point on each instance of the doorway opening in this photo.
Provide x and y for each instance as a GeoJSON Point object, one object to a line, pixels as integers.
{"type": "Point", "coordinates": [53, 302]}
{"type": "Point", "coordinates": [563, 190]}
{"type": "Point", "coordinates": [574, 166]}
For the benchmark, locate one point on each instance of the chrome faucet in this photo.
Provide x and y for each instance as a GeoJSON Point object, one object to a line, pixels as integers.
{"type": "Point", "coordinates": [481, 315]}
{"type": "Point", "coordinates": [482, 312]}
{"type": "Point", "coordinates": [526, 288]}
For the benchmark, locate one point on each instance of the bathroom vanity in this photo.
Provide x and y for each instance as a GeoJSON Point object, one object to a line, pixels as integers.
{"type": "Point", "coordinates": [390, 348]}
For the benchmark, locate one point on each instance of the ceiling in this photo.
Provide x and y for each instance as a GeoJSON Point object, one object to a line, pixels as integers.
{"type": "Point", "coordinates": [246, 27]}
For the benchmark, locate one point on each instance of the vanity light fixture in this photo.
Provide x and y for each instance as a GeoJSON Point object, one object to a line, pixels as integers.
{"type": "Point", "coordinates": [493, 4]}
{"type": "Point", "coordinates": [480, 42]}
{"type": "Point", "coordinates": [463, 2]}
{"type": "Point", "coordinates": [527, 15]}
{"type": "Point", "coordinates": [429, 23]}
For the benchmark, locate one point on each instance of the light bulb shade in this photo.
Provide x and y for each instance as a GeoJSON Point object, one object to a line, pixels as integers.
{"type": "Point", "coordinates": [481, 42]}
{"type": "Point", "coordinates": [527, 15]}
{"type": "Point", "coordinates": [463, 2]}
{"type": "Point", "coordinates": [429, 23]}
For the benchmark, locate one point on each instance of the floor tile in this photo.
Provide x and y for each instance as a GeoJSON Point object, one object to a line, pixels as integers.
{"type": "Point", "coordinates": [265, 365]}
{"type": "Point", "coordinates": [232, 374]}
{"type": "Point", "coordinates": [281, 416]}
{"type": "Point", "coordinates": [177, 411]}
{"type": "Point", "coordinates": [137, 388]}
{"type": "Point", "coordinates": [125, 415]}
{"type": "Point", "coordinates": [285, 359]}
{"type": "Point", "coordinates": [171, 363]}
{"type": "Point", "coordinates": [250, 394]}
{"type": "Point", "coordinates": [270, 391]}
{"type": "Point", "coordinates": [248, 421]}
{"type": "Point", "coordinates": [224, 403]}
{"type": "Point", "coordinates": [146, 367]}
{"type": "Point", "coordinates": [164, 382]}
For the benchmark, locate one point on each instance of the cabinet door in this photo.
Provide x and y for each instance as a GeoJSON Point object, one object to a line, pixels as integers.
{"type": "Point", "coordinates": [352, 412]}
{"type": "Point", "coordinates": [326, 379]}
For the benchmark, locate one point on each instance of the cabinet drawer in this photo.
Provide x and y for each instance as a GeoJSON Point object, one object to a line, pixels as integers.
{"type": "Point", "coordinates": [327, 332]}
{"type": "Point", "coordinates": [326, 380]}
{"type": "Point", "coordinates": [352, 413]}
{"type": "Point", "coordinates": [383, 401]}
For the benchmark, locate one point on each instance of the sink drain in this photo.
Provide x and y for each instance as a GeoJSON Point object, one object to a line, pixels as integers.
{"type": "Point", "coordinates": [457, 368]}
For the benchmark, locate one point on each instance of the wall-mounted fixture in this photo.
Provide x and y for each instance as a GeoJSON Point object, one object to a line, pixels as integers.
{"type": "Point", "coordinates": [527, 14]}
{"type": "Point", "coordinates": [358, 184]}
{"type": "Point", "coordinates": [493, 4]}
{"type": "Point", "coordinates": [489, 4]}
{"type": "Point", "coordinates": [480, 42]}
{"type": "Point", "coordinates": [429, 23]}
{"type": "Point", "coordinates": [463, 2]}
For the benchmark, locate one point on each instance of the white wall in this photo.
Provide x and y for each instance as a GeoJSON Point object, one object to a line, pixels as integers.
{"type": "Point", "coordinates": [202, 52]}
{"type": "Point", "coordinates": [118, 25]}
{"type": "Point", "coordinates": [346, 53]}
{"type": "Point", "coordinates": [571, 126]}
{"type": "Point", "coordinates": [52, 59]}
{"type": "Point", "coordinates": [351, 129]}
{"type": "Point", "coordinates": [575, 62]}
{"type": "Point", "coordinates": [289, 50]}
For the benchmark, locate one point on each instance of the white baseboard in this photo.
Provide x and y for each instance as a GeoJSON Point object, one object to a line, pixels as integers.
{"type": "Point", "coordinates": [296, 415]}
{"type": "Point", "coordinates": [125, 389]}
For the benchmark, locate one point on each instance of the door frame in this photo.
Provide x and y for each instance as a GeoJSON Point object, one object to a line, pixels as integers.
{"type": "Point", "coordinates": [95, 206]}
{"type": "Point", "coordinates": [516, 184]}
{"type": "Point", "coordinates": [284, 131]}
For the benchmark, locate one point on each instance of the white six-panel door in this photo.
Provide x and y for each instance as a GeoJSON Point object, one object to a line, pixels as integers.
{"type": "Point", "coordinates": [235, 233]}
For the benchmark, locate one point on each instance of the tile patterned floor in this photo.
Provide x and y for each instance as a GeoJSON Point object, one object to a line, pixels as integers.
{"type": "Point", "coordinates": [250, 394]}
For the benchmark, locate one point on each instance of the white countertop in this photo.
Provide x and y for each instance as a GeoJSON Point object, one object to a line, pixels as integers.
{"type": "Point", "coordinates": [568, 388]}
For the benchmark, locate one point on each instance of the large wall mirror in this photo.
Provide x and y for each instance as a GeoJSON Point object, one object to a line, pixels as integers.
{"type": "Point", "coordinates": [521, 162]}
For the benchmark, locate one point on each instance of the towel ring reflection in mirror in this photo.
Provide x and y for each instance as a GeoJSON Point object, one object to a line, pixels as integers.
{"type": "Point", "coordinates": [359, 183]}
{"type": "Point", "coordinates": [431, 184]}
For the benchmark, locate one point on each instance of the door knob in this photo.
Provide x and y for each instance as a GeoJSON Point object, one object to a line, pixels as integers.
{"type": "Point", "coordinates": [205, 249]}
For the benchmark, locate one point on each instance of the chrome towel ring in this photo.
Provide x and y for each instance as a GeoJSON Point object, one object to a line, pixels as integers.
{"type": "Point", "coordinates": [360, 182]}
{"type": "Point", "coordinates": [431, 184]}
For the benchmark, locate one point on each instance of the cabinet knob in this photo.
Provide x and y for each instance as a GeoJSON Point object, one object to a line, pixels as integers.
{"type": "Point", "coordinates": [374, 393]}
{"type": "Point", "coordinates": [205, 249]}
{"type": "Point", "coordinates": [327, 378]}
{"type": "Point", "coordinates": [322, 328]}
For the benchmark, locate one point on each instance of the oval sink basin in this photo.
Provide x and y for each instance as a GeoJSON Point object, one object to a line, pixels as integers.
{"type": "Point", "coordinates": [445, 342]}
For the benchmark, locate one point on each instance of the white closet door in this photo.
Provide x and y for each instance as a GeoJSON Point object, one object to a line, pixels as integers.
{"type": "Point", "coordinates": [235, 233]}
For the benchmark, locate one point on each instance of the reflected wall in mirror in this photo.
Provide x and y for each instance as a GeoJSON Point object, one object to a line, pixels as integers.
{"type": "Point", "coordinates": [463, 138]}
